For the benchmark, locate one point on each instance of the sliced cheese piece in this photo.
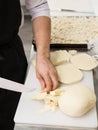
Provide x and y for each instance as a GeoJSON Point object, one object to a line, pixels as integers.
{"type": "Point", "coordinates": [58, 91]}
{"type": "Point", "coordinates": [77, 101]}
{"type": "Point", "coordinates": [51, 100]}
{"type": "Point", "coordinates": [68, 74]}
{"type": "Point", "coordinates": [84, 62]}
{"type": "Point", "coordinates": [40, 96]}
{"type": "Point", "coordinates": [47, 108]}
{"type": "Point", "coordinates": [59, 57]}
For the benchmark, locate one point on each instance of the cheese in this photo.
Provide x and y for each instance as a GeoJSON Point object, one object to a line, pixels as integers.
{"type": "Point", "coordinates": [84, 62]}
{"type": "Point", "coordinates": [77, 101]}
{"type": "Point", "coordinates": [57, 57]}
{"type": "Point", "coordinates": [68, 74]}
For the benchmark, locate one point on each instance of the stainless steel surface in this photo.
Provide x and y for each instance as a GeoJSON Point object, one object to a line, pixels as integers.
{"type": "Point", "coordinates": [95, 56]}
{"type": "Point", "coordinates": [42, 128]}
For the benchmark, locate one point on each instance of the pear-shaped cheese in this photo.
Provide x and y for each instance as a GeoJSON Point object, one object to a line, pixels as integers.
{"type": "Point", "coordinates": [77, 101]}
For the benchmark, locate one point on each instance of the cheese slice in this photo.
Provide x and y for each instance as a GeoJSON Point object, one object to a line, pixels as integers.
{"type": "Point", "coordinates": [68, 74]}
{"type": "Point", "coordinates": [59, 57]}
{"type": "Point", "coordinates": [84, 62]}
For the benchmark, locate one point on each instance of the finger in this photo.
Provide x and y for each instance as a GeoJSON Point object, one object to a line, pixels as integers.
{"type": "Point", "coordinates": [48, 83]}
{"type": "Point", "coordinates": [54, 79]}
{"type": "Point", "coordinates": [41, 80]}
{"type": "Point", "coordinates": [55, 82]}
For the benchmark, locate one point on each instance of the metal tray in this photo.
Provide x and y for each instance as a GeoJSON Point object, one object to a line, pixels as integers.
{"type": "Point", "coordinates": [66, 46]}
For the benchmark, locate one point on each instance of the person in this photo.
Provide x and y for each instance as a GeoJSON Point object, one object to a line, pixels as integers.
{"type": "Point", "coordinates": [13, 63]}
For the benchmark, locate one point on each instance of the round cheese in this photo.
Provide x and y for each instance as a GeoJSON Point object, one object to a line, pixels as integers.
{"type": "Point", "coordinates": [68, 74]}
{"type": "Point", "coordinates": [84, 62]}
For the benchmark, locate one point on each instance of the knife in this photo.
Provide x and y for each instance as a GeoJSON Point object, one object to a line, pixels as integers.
{"type": "Point", "coordinates": [14, 86]}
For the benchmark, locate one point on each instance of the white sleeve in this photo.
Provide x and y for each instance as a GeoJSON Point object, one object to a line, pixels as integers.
{"type": "Point", "coordinates": [38, 8]}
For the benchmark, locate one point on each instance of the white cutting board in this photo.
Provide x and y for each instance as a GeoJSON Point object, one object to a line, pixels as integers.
{"type": "Point", "coordinates": [28, 110]}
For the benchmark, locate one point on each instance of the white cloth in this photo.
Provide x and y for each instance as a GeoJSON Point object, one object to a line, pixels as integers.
{"type": "Point", "coordinates": [38, 8]}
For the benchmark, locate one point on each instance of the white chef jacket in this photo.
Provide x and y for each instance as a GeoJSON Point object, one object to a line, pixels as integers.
{"type": "Point", "coordinates": [38, 8]}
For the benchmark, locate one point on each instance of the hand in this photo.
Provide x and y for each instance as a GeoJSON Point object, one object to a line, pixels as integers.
{"type": "Point", "coordinates": [46, 73]}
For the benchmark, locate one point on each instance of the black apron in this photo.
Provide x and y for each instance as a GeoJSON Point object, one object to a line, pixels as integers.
{"type": "Point", "coordinates": [13, 63]}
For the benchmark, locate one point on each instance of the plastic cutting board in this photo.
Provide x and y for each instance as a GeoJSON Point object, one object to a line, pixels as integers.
{"type": "Point", "coordinates": [28, 110]}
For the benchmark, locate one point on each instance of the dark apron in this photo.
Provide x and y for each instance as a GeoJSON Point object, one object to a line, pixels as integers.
{"type": "Point", "coordinates": [13, 63]}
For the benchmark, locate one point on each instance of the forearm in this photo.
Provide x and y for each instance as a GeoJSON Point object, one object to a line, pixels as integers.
{"type": "Point", "coordinates": [41, 32]}
{"type": "Point", "coordinates": [41, 26]}
{"type": "Point", "coordinates": [45, 71]}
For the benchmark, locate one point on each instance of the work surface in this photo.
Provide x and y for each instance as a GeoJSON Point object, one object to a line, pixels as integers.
{"type": "Point", "coordinates": [28, 111]}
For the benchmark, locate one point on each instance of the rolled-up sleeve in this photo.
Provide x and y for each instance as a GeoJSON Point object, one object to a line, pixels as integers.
{"type": "Point", "coordinates": [38, 8]}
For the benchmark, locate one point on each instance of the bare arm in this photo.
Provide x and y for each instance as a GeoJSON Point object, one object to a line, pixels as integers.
{"type": "Point", "coordinates": [41, 25]}
{"type": "Point", "coordinates": [41, 32]}
{"type": "Point", "coordinates": [46, 72]}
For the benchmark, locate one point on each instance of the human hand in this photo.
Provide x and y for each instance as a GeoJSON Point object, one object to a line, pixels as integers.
{"type": "Point", "coordinates": [46, 73]}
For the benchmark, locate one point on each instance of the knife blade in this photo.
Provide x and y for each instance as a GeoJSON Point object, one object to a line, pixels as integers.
{"type": "Point", "coordinates": [14, 86]}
